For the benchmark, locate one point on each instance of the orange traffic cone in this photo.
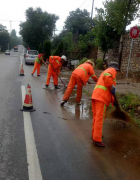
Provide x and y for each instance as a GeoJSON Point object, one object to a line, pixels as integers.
{"type": "Point", "coordinates": [22, 71]}
{"type": "Point", "coordinates": [28, 103]}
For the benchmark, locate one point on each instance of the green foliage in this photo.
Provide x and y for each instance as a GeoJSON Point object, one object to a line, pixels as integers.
{"type": "Point", "coordinates": [20, 40]}
{"type": "Point", "coordinates": [38, 27]}
{"type": "Point", "coordinates": [86, 41]}
{"type": "Point", "coordinates": [129, 102]}
{"type": "Point", "coordinates": [99, 64]}
{"type": "Point", "coordinates": [47, 49]}
{"type": "Point", "coordinates": [76, 36]}
{"type": "Point", "coordinates": [14, 40]}
{"type": "Point", "coordinates": [83, 60]}
{"type": "Point", "coordinates": [78, 21]}
{"type": "Point", "coordinates": [40, 48]}
{"type": "Point", "coordinates": [59, 50]}
{"type": "Point", "coordinates": [57, 39]}
{"type": "Point", "coordinates": [4, 38]}
{"type": "Point", "coordinates": [13, 33]}
{"type": "Point", "coordinates": [105, 36]}
{"type": "Point", "coordinates": [120, 13]}
{"type": "Point", "coordinates": [68, 42]}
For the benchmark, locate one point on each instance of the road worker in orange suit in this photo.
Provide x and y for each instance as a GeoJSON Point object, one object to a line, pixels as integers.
{"type": "Point", "coordinates": [80, 76]}
{"type": "Point", "coordinates": [38, 61]}
{"type": "Point", "coordinates": [102, 96]}
{"type": "Point", "coordinates": [55, 64]}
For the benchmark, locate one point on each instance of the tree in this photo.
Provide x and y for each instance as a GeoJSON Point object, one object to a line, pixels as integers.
{"type": "Point", "coordinates": [86, 42]}
{"type": "Point", "coordinates": [40, 48]}
{"type": "Point", "coordinates": [59, 50]}
{"type": "Point", "coordinates": [13, 39]}
{"type": "Point", "coordinates": [120, 13]}
{"type": "Point", "coordinates": [78, 22]}
{"type": "Point", "coordinates": [20, 40]}
{"type": "Point", "coordinates": [4, 37]}
{"type": "Point", "coordinates": [47, 49]}
{"type": "Point", "coordinates": [13, 33]}
{"type": "Point", "coordinates": [68, 44]}
{"type": "Point", "coordinates": [57, 39]}
{"type": "Point", "coordinates": [38, 27]}
{"type": "Point", "coordinates": [105, 36]}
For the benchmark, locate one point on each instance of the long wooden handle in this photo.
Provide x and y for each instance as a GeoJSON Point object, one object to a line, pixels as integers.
{"type": "Point", "coordinates": [116, 102]}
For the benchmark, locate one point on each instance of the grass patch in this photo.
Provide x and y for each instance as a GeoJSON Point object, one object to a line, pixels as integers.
{"type": "Point", "coordinates": [130, 103]}
{"type": "Point", "coordinates": [1, 52]}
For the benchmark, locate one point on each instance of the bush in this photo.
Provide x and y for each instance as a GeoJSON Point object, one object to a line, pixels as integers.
{"type": "Point", "coordinates": [83, 60]}
{"type": "Point", "coordinates": [99, 64]}
{"type": "Point", "coordinates": [40, 48]}
{"type": "Point", "coordinates": [47, 49]}
{"type": "Point", "coordinates": [59, 50]}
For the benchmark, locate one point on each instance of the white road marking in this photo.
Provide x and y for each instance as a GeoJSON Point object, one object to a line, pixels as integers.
{"type": "Point", "coordinates": [32, 157]}
{"type": "Point", "coordinates": [20, 60]}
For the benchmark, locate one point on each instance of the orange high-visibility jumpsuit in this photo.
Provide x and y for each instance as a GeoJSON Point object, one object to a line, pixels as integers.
{"type": "Point", "coordinates": [101, 98]}
{"type": "Point", "coordinates": [37, 64]}
{"type": "Point", "coordinates": [80, 76]}
{"type": "Point", "coordinates": [53, 69]}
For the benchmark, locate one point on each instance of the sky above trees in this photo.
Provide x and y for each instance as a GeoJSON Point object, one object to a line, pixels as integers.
{"type": "Point", "coordinates": [15, 10]}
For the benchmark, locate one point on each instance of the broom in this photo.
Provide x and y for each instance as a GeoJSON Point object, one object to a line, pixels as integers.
{"type": "Point", "coordinates": [118, 113]}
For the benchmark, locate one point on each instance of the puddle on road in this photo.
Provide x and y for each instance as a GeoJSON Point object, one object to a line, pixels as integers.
{"type": "Point", "coordinates": [81, 112]}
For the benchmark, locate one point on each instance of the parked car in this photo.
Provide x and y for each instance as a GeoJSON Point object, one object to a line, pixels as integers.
{"type": "Point", "coordinates": [31, 56]}
{"type": "Point", "coordinates": [7, 52]}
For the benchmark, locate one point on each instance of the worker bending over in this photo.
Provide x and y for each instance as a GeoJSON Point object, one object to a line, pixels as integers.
{"type": "Point", "coordinates": [55, 64]}
{"type": "Point", "coordinates": [38, 61]}
{"type": "Point", "coordinates": [102, 96]}
{"type": "Point", "coordinates": [80, 76]}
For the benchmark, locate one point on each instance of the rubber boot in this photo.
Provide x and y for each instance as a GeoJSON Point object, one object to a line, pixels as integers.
{"type": "Point", "coordinates": [56, 87]}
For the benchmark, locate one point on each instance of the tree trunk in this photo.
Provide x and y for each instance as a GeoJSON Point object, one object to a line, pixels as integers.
{"type": "Point", "coordinates": [104, 56]}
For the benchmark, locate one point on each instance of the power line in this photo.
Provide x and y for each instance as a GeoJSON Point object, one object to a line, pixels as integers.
{"type": "Point", "coordinates": [83, 3]}
{"type": "Point", "coordinates": [10, 20]}
{"type": "Point", "coordinates": [78, 7]}
{"type": "Point", "coordinates": [88, 5]}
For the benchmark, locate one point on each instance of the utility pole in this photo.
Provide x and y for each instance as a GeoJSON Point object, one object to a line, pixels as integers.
{"type": "Point", "coordinates": [91, 13]}
{"type": "Point", "coordinates": [10, 26]}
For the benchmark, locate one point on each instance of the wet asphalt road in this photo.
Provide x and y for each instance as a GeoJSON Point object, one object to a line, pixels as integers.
{"type": "Point", "coordinates": [62, 139]}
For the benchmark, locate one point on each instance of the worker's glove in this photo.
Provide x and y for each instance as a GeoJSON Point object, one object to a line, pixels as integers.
{"type": "Point", "coordinates": [113, 90]}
